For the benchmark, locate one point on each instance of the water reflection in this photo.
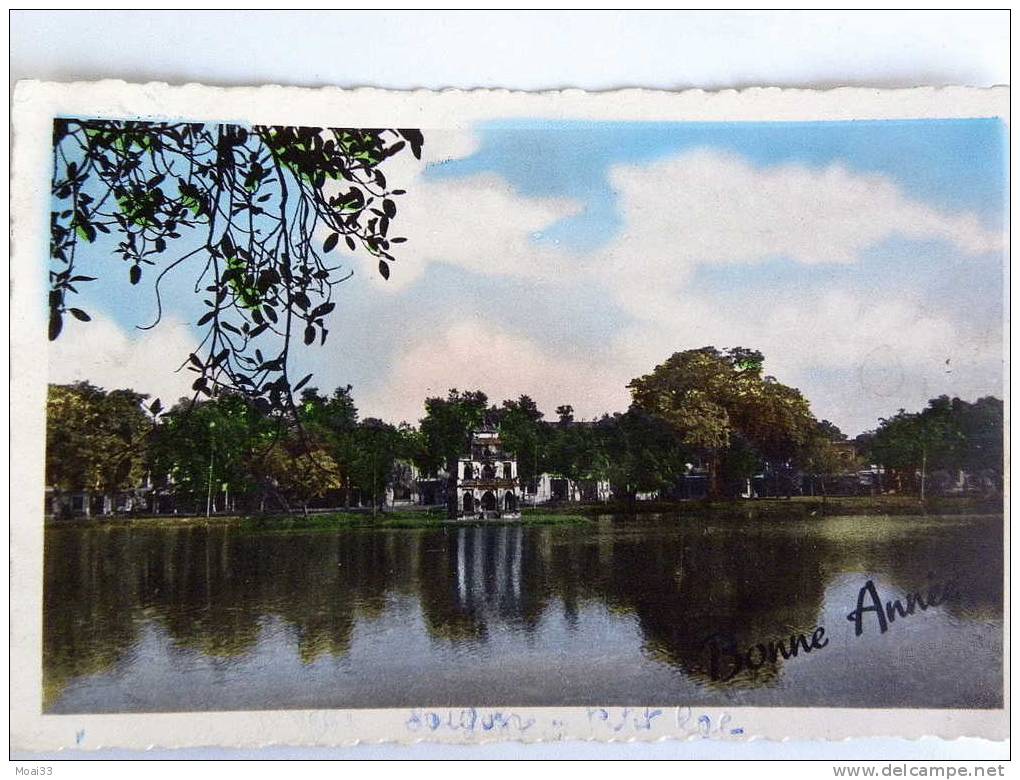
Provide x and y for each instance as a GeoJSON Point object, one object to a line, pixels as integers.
{"type": "Point", "coordinates": [615, 613]}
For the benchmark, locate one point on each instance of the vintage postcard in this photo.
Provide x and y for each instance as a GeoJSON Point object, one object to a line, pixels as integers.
{"type": "Point", "coordinates": [354, 416]}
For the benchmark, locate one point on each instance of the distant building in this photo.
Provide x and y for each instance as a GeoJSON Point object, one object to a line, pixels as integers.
{"type": "Point", "coordinates": [553, 488]}
{"type": "Point", "coordinates": [846, 454]}
{"type": "Point", "coordinates": [487, 482]}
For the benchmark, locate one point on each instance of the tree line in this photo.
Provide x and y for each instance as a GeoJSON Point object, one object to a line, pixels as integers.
{"type": "Point", "coordinates": [706, 411]}
{"type": "Point", "coordinates": [948, 436]}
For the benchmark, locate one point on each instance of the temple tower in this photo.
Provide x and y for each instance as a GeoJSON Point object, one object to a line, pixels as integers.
{"type": "Point", "coordinates": [488, 486]}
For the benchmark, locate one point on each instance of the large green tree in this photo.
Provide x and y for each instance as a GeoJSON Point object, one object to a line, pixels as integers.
{"type": "Point", "coordinates": [300, 468]}
{"type": "Point", "coordinates": [95, 440]}
{"type": "Point", "coordinates": [637, 453]}
{"type": "Point", "coordinates": [448, 423]}
{"type": "Point", "coordinates": [982, 431]}
{"type": "Point", "coordinates": [249, 212]}
{"type": "Point", "coordinates": [949, 434]}
{"type": "Point", "coordinates": [329, 424]}
{"type": "Point", "coordinates": [446, 433]}
{"type": "Point", "coordinates": [524, 433]}
{"type": "Point", "coordinates": [378, 447]}
{"type": "Point", "coordinates": [573, 450]}
{"type": "Point", "coordinates": [706, 395]}
{"type": "Point", "coordinates": [222, 441]}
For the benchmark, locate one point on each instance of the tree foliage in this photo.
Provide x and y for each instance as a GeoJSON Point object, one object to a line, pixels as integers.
{"type": "Point", "coordinates": [378, 446]}
{"type": "Point", "coordinates": [637, 453]}
{"type": "Point", "coordinates": [447, 426]}
{"type": "Point", "coordinates": [523, 432]}
{"type": "Point", "coordinates": [223, 440]}
{"type": "Point", "coordinates": [243, 210]}
{"type": "Point", "coordinates": [708, 395]}
{"type": "Point", "coordinates": [949, 434]}
{"type": "Point", "coordinates": [105, 441]}
{"type": "Point", "coordinates": [95, 440]}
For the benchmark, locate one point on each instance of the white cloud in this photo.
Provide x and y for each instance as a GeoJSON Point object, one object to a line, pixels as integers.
{"type": "Point", "coordinates": [711, 208]}
{"type": "Point", "coordinates": [102, 353]}
{"type": "Point", "coordinates": [476, 355]}
{"type": "Point", "coordinates": [855, 357]}
{"type": "Point", "coordinates": [480, 224]}
{"type": "Point", "coordinates": [700, 208]}
{"type": "Point", "coordinates": [704, 208]}
{"type": "Point", "coordinates": [477, 222]}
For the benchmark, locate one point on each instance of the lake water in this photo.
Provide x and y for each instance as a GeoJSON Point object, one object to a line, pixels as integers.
{"type": "Point", "coordinates": [621, 612]}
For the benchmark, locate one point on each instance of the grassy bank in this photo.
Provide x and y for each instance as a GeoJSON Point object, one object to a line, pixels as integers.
{"type": "Point", "coordinates": [325, 521]}
{"type": "Point", "coordinates": [338, 520]}
{"type": "Point", "coordinates": [800, 507]}
{"type": "Point", "coordinates": [541, 517]}
{"type": "Point", "coordinates": [148, 521]}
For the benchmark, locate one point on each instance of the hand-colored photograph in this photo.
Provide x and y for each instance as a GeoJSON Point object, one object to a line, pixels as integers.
{"type": "Point", "coordinates": [530, 412]}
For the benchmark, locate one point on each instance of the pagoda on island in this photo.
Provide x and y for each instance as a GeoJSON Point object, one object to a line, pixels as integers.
{"type": "Point", "coordinates": [487, 483]}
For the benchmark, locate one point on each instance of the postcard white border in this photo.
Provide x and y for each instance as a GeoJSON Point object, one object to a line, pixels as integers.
{"type": "Point", "coordinates": [34, 106]}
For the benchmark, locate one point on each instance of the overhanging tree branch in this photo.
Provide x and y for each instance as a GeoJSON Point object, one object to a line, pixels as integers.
{"type": "Point", "coordinates": [262, 193]}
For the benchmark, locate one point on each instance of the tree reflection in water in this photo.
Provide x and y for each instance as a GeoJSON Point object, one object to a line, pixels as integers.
{"type": "Point", "coordinates": [213, 590]}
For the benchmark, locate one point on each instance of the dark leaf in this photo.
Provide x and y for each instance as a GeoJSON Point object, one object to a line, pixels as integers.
{"type": "Point", "coordinates": [415, 138]}
{"type": "Point", "coordinates": [331, 242]}
{"type": "Point", "coordinates": [56, 324]}
{"type": "Point", "coordinates": [384, 269]}
{"type": "Point", "coordinates": [323, 309]}
{"type": "Point", "coordinates": [136, 274]}
{"type": "Point", "coordinates": [274, 365]}
{"type": "Point", "coordinates": [80, 315]}
{"type": "Point", "coordinates": [309, 334]}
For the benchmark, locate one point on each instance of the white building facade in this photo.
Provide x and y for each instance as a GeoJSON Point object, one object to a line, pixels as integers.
{"type": "Point", "coordinates": [488, 485]}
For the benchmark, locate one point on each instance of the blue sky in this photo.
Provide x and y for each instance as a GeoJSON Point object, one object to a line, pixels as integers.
{"type": "Point", "coordinates": [560, 259]}
{"type": "Point", "coordinates": [957, 164]}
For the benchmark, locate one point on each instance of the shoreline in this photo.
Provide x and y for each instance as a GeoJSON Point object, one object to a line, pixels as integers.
{"type": "Point", "coordinates": [324, 521]}
{"type": "Point", "coordinates": [775, 509]}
